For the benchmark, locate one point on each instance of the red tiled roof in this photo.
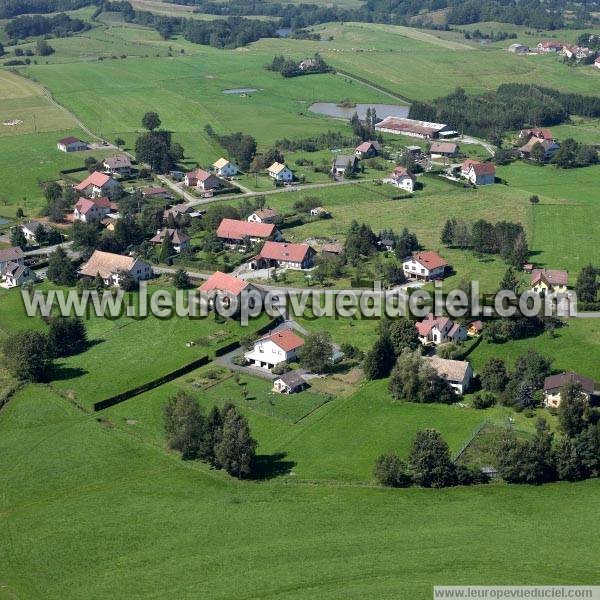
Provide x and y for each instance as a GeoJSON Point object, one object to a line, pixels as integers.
{"type": "Point", "coordinates": [429, 322]}
{"type": "Point", "coordinates": [69, 140]}
{"type": "Point", "coordinates": [284, 251]}
{"type": "Point", "coordinates": [553, 276]}
{"type": "Point", "coordinates": [96, 178]}
{"type": "Point", "coordinates": [430, 260]}
{"type": "Point", "coordinates": [232, 229]}
{"type": "Point", "coordinates": [484, 168]}
{"type": "Point", "coordinates": [467, 164]}
{"type": "Point", "coordinates": [365, 146]}
{"type": "Point", "coordinates": [400, 171]}
{"type": "Point", "coordinates": [84, 205]}
{"type": "Point", "coordinates": [222, 282]}
{"type": "Point", "coordinates": [199, 175]}
{"type": "Point", "coordinates": [286, 339]}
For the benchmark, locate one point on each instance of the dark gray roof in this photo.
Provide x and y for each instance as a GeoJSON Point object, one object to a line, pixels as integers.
{"type": "Point", "coordinates": [341, 161]}
{"type": "Point", "coordinates": [8, 254]}
{"type": "Point", "coordinates": [293, 379]}
{"type": "Point", "coordinates": [555, 382]}
{"type": "Point", "coordinates": [15, 270]}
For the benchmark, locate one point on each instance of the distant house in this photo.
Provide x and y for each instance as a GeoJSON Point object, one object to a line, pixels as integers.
{"type": "Point", "coordinates": [180, 240]}
{"type": "Point", "coordinates": [554, 384]}
{"type": "Point", "coordinates": [307, 64]}
{"type": "Point", "coordinates": [474, 328]}
{"type": "Point", "coordinates": [232, 231]}
{"type": "Point", "coordinates": [402, 178]}
{"type": "Point", "coordinates": [15, 274]}
{"type": "Point", "coordinates": [156, 192]}
{"type": "Point", "coordinates": [71, 144]}
{"type": "Point", "coordinates": [478, 173]}
{"type": "Point", "coordinates": [576, 52]}
{"type": "Point", "coordinates": [226, 286]}
{"type": "Point", "coordinates": [424, 266]}
{"type": "Point", "coordinates": [202, 180]}
{"type": "Point", "coordinates": [549, 281]}
{"type": "Point", "coordinates": [319, 211]}
{"type": "Point", "coordinates": [412, 127]}
{"type": "Point", "coordinates": [549, 46]}
{"type": "Point", "coordinates": [597, 63]}
{"type": "Point", "coordinates": [110, 267]}
{"type": "Point", "coordinates": [263, 215]}
{"type": "Point", "coordinates": [343, 163]}
{"type": "Point", "coordinates": [178, 210]}
{"type": "Point", "coordinates": [518, 49]}
{"type": "Point", "coordinates": [225, 168]}
{"type": "Point", "coordinates": [434, 331]}
{"type": "Point", "coordinates": [30, 230]}
{"type": "Point", "coordinates": [99, 184]}
{"type": "Point", "coordinates": [443, 149]}
{"type": "Point", "coordinates": [119, 164]}
{"type": "Point", "coordinates": [289, 383]}
{"type": "Point", "coordinates": [368, 149]}
{"type": "Point", "coordinates": [88, 210]}
{"type": "Point", "coordinates": [275, 348]}
{"type": "Point", "coordinates": [11, 255]}
{"type": "Point", "coordinates": [332, 249]}
{"type": "Point", "coordinates": [541, 134]}
{"type": "Point", "coordinates": [458, 373]}
{"type": "Point", "coordinates": [279, 172]}
{"type": "Point", "coordinates": [282, 254]}
{"type": "Point", "coordinates": [550, 147]}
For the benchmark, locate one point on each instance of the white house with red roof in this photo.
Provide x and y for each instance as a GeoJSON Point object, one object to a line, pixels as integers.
{"type": "Point", "coordinates": [99, 184]}
{"type": "Point", "coordinates": [88, 210]}
{"type": "Point", "coordinates": [224, 285]}
{"type": "Point", "coordinates": [275, 348]}
{"type": "Point", "coordinates": [477, 172]}
{"type": "Point", "coordinates": [202, 180]}
{"type": "Point", "coordinates": [367, 149]}
{"type": "Point", "coordinates": [285, 255]}
{"type": "Point", "coordinates": [546, 46]}
{"type": "Point", "coordinates": [424, 266]}
{"type": "Point", "coordinates": [402, 178]}
{"type": "Point", "coordinates": [434, 331]}
{"type": "Point", "coordinates": [71, 144]}
{"type": "Point", "coordinates": [549, 281]}
{"type": "Point", "coordinates": [234, 231]}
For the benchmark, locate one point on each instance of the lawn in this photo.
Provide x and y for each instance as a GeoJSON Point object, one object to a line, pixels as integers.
{"type": "Point", "coordinates": [89, 509]}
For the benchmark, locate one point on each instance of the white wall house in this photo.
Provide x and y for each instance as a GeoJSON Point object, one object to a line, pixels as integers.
{"type": "Point", "coordinates": [71, 144]}
{"type": "Point", "coordinates": [434, 331]}
{"type": "Point", "coordinates": [402, 179]}
{"type": "Point", "coordinates": [279, 172]}
{"type": "Point", "coordinates": [458, 373]}
{"type": "Point", "coordinates": [110, 267]}
{"type": "Point", "coordinates": [15, 274]}
{"type": "Point", "coordinates": [424, 266]}
{"type": "Point", "coordinates": [225, 168]}
{"type": "Point", "coordinates": [274, 349]}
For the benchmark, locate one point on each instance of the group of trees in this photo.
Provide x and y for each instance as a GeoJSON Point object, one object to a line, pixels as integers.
{"type": "Point", "coordinates": [365, 129]}
{"type": "Point", "coordinates": [572, 154]}
{"type": "Point", "coordinates": [429, 465]}
{"type": "Point", "coordinates": [289, 67]}
{"type": "Point", "coordinates": [511, 106]}
{"type": "Point", "coordinates": [362, 242]}
{"type": "Point", "coordinates": [28, 355]}
{"type": "Point", "coordinates": [503, 238]}
{"type": "Point", "coordinates": [13, 8]}
{"type": "Point", "coordinates": [316, 353]}
{"type": "Point", "coordinates": [155, 147]}
{"type": "Point", "coordinates": [322, 141]}
{"type": "Point", "coordinates": [222, 438]}
{"type": "Point", "coordinates": [58, 200]}
{"type": "Point", "coordinates": [241, 147]}
{"type": "Point", "coordinates": [587, 285]}
{"type": "Point", "coordinates": [60, 25]}
{"type": "Point", "coordinates": [541, 459]}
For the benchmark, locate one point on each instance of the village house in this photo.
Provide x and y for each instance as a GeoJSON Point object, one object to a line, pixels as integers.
{"type": "Point", "coordinates": [555, 383]}
{"type": "Point", "coordinates": [518, 49]}
{"type": "Point", "coordinates": [31, 228]}
{"type": "Point", "coordinates": [307, 64]}
{"type": "Point", "coordinates": [549, 46]}
{"type": "Point", "coordinates": [434, 331]}
{"type": "Point", "coordinates": [575, 52]}
{"type": "Point", "coordinates": [478, 173]}
{"type": "Point", "coordinates": [284, 255]}
{"type": "Point", "coordinates": [202, 180]}
{"type": "Point", "coordinates": [474, 328]}
{"type": "Point", "coordinates": [424, 266]}
{"type": "Point", "coordinates": [412, 127]}
{"type": "Point", "coordinates": [109, 223]}
{"type": "Point", "coordinates": [549, 281]}
{"type": "Point", "coordinates": [71, 144]}
{"type": "Point", "coordinates": [550, 147]}
{"type": "Point", "coordinates": [344, 163]}
{"type": "Point", "coordinates": [178, 210]}
{"type": "Point", "coordinates": [541, 134]}
{"type": "Point", "coordinates": [289, 383]}
{"type": "Point", "coordinates": [99, 184]}
{"type": "Point", "coordinates": [226, 287]}
{"type": "Point", "coordinates": [15, 274]}
{"type": "Point", "coordinates": [443, 149]}
{"type": "Point", "coordinates": [597, 63]}
{"type": "Point", "coordinates": [156, 192]}
{"type": "Point", "coordinates": [402, 178]}
{"type": "Point", "coordinates": [332, 249]}
{"type": "Point", "coordinates": [458, 373]}
{"type": "Point", "coordinates": [224, 168]}
{"type": "Point", "coordinates": [119, 164]}
{"type": "Point", "coordinates": [275, 348]}
{"type": "Point", "coordinates": [11, 255]}
{"type": "Point", "coordinates": [368, 149]}
{"type": "Point", "coordinates": [88, 210]}
{"type": "Point", "coordinates": [279, 172]}
{"type": "Point", "coordinates": [180, 240]}
{"type": "Point", "coordinates": [111, 267]}
{"type": "Point", "coordinates": [232, 231]}
{"type": "Point", "coordinates": [263, 215]}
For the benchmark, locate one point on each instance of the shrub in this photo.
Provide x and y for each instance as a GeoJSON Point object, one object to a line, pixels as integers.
{"type": "Point", "coordinates": [484, 400]}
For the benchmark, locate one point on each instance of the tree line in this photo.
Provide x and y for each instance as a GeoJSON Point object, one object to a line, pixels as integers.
{"type": "Point", "coordinates": [60, 25]}
{"type": "Point", "coordinates": [221, 438]}
{"type": "Point", "coordinates": [13, 8]}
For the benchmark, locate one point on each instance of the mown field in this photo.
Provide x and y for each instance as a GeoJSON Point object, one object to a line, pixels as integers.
{"type": "Point", "coordinates": [94, 513]}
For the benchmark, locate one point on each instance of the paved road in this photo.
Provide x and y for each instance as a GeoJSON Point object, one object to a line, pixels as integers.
{"type": "Point", "coordinates": [47, 250]}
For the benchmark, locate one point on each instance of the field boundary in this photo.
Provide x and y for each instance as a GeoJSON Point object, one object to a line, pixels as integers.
{"type": "Point", "coordinates": [375, 86]}
{"type": "Point", "coordinates": [470, 439]}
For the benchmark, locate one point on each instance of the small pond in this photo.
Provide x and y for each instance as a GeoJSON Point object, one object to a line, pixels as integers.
{"type": "Point", "coordinates": [240, 91]}
{"type": "Point", "coordinates": [3, 221]}
{"type": "Point", "coordinates": [331, 109]}
{"type": "Point", "coordinates": [284, 31]}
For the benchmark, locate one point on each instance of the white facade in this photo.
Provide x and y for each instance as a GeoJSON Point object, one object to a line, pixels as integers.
{"type": "Point", "coordinates": [404, 182]}
{"type": "Point", "coordinates": [226, 170]}
{"type": "Point", "coordinates": [413, 269]}
{"type": "Point", "coordinates": [75, 146]}
{"type": "Point", "coordinates": [266, 354]}
{"type": "Point", "coordinates": [282, 175]}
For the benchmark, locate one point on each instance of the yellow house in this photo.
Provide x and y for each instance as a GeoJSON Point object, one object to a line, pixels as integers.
{"type": "Point", "coordinates": [549, 281]}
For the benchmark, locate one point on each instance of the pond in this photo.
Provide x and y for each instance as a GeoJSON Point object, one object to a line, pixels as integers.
{"type": "Point", "coordinates": [3, 221]}
{"type": "Point", "coordinates": [284, 31]}
{"type": "Point", "coordinates": [331, 109]}
{"type": "Point", "coordinates": [240, 91]}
